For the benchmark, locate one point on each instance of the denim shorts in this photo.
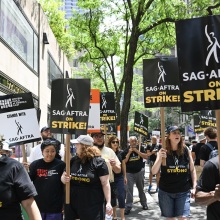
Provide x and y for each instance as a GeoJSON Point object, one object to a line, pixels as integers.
{"type": "Point", "coordinates": [174, 204]}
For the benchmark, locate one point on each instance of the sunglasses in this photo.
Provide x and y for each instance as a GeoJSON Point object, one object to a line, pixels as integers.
{"type": "Point", "coordinates": [115, 142]}
{"type": "Point", "coordinates": [49, 142]}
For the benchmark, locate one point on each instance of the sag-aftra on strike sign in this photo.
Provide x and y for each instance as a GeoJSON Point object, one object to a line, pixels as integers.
{"type": "Point", "coordinates": [198, 50]}
{"type": "Point", "coordinates": [70, 100]}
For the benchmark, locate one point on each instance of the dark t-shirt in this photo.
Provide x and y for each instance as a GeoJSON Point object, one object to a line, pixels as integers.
{"type": "Point", "coordinates": [196, 149]}
{"type": "Point", "coordinates": [155, 147]}
{"type": "Point", "coordinates": [175, 176]}
{"type": "Point", "coordinates": [15, 186]}
{"type": "Point", "coordinates": [205, 150]}
{"type": "Point", "coordinates": [207, 182]}
{"type": "Point", "coordinates": [86, 191]}
{"type": "Point", "coordinates": [121, 157]}
{"type": "Point", "coordinates": [135, 162]}
{"type": "Point", "coordinates": [47, 180]}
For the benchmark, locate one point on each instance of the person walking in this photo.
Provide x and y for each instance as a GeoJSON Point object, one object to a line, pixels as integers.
{"type": "Point", "coordinates": [16, 188]}
{"type": "Point", "coordinates": [152, 150]}
{"type": "Point", "coordinates": [176, 177]}
{"type": "Point", "coordinates": [120, 179]}
{"type": "Point", "coordinates": [45, 174]}
{"type": "Point", "coordinates": [89, 183]}
{"type": "Point", "coordinates": [195, 154]}
{"type": "Point", "coordinates": [208, 189]}
{"type": "Point", "coordinates": [211, 136]}
{"type": "Point", "coordinates": [135, 173]}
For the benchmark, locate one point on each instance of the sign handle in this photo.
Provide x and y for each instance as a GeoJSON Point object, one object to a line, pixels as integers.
{"type": "Point", "coordinates": [105, 131]}
{"type": "Point", "coordinates": [67, 160]}
{"type": "Point", "coordinates": [162, 128]}
{"type": "Point", "coordinates": [139, 142]}
{"type": "Point", "coordinates": [217, 114]}
{"type": "Point", "coordinates": [24, 155]}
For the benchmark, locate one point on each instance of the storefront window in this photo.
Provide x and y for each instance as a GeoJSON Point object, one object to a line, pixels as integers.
{"type": "Point", "coordinates": [18, 34]}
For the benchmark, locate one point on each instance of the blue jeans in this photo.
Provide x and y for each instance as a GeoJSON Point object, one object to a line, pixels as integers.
{"type": "Point", "coordinates": [120, 191]}
{"type": "Point", "coordinates": [174, 204]}
{"type": "Point", "coordinates": [51, 216]}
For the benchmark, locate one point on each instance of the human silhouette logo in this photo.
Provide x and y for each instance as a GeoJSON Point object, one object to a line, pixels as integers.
{"type": "Point", "coordinates": [80, 169]}
{"type": "Point", "coordinates": [210, 113]}
{"type": "Point", "coordinates": [19, 128]}
{"type": "Point", "coordinates": [162, 73]}
{"type": "Point", "coordinates": [141, 119]}
{"type": "Point", "coordinates": [104, 102]}
{"type": "Point", "coordinates": [212, 47]}
{"type": "Point", "coordinates": [70, 96]}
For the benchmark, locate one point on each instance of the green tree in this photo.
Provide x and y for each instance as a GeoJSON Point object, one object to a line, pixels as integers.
{"type": "Point", "coordinates": [116, 35]}
{"type": "Point", "coordinates": [58, 24]}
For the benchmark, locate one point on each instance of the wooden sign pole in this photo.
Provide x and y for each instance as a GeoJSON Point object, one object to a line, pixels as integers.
{"type": "Point", "coordinates": [162, 128]}
{"type": "Point", "coordinates": [67, 158]}
{"type": "Point", "coordinates": [217, 115]}
{"type": "Point", "coordinates": [24, 153]}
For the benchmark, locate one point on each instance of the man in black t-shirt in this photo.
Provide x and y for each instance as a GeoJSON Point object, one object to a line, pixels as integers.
{"type": "Point", "coordinates": [211, 136]}
{"type": "Point", "coordinates": [152, 150]}
{"type": "Point", "coordinates": [195, 154]}
{"type": "Point", "coordinates": [135, 173]}
{"type": "Point", "coordinates": [208, 189]}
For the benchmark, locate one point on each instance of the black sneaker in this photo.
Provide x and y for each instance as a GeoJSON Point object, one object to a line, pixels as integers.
{"type": "Point", "coordinates": [145, 207]}
{"type": "Point", "coordinates": [127, 211]}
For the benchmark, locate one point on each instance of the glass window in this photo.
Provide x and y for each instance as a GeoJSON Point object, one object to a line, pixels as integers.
{"type": "Point", "coordinates": [18, 34]}
{"type": "Point", "coordinates": [54, 71]}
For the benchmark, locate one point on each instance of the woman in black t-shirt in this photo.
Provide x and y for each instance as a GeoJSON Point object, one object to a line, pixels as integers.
{"type": "Point", "coordinates": [174, 184]}
{"type": "Point", "coordinates": [45, 174]}
{"type": "Point", "coordinates": [120, 179]}
{"type": "Point", "coordinates": [89, 183]}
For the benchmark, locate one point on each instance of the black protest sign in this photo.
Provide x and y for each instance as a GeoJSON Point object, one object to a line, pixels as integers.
{"type": "Point", "coordinates": [70, 100]}
{"type": "Point", "coordinates": [16, 113]}
{"type": "Point", "coordinates": [161, 82]}
{"type": "Point", "coordinates": [206, 118]}
{"type": "Point", "coordinates": [198, 49]}
{"type": "Point", "coordinates": [141, 123]}
{"type": "Point", "coordinates": [107, 108]}
{"type": "Point", "coordinates": [110, 129]}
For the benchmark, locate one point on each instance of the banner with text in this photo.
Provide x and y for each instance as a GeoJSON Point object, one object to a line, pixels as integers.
{"type": "Point", "coordinates": [198, 50]}
{"type": "Point", "coordinates": [161, 82]}
{"type": "Point", "coordinates": [94, 111]}
{"type": "Point", "coordinates": [16, 113]}
{"type": "Point", "coordinates": [70, 100]}
{"type": "Point", "coordinates": [141, 123]}
{"type": "Point", "coordinates": [107, 108]}
{"type": "Point", "coordinates": [206, 118]}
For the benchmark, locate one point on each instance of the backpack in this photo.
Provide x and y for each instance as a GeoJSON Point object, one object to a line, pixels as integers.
{"type": "Point", "coordinates": [214, 152]}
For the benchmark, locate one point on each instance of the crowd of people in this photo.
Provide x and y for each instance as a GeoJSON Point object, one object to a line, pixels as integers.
{"type": "Point", "coordinates": [102, 177]}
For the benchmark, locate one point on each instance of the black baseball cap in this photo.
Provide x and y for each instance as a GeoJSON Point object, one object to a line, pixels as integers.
{"type": "Point", "coordinates": [98, 132]}
{"type": "Point", "coordinates": [44, 129]}
{"type": "Point", "coordinates": [172, 128]}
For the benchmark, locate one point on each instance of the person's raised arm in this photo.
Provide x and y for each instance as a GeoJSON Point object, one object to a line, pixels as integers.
{"type": "Point", "coordinates": [31, 208]}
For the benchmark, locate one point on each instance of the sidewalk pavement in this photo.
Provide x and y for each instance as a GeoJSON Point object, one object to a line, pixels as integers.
{"type": "Point", "coordinates": [137, 213]}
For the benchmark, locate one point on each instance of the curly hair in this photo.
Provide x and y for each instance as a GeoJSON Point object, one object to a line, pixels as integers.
{"type": "Point", "coordinates": [113, 137]}
{"type": "Point", "coordinates": [88, 152]}
{"type": "Point", "coordinates": [180, 147]}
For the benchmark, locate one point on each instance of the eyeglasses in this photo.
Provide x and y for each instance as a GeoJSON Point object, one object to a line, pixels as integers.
{"type": "Point", "coordinates": [98, 136]}
{"type": "Point", "coordinates": [115, 142]}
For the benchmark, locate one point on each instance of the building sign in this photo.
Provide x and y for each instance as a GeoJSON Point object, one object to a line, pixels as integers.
{"type": "Point", "coordinates": [16, 113]}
